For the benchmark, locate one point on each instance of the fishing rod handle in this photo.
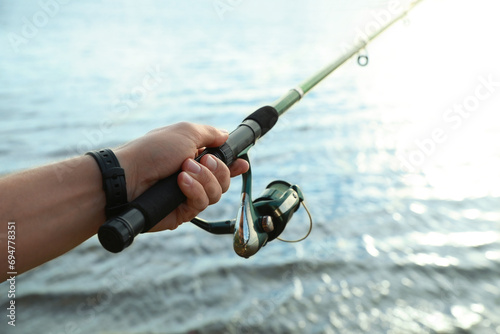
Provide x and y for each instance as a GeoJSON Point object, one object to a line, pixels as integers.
{"type": "Point", "coordinates": [165, 196]}
{"type": "Point", "coordinates": [151, 207]}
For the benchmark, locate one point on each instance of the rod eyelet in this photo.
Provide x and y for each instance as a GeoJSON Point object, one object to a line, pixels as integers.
{"type": "Point", "coordinates": [362, 60]}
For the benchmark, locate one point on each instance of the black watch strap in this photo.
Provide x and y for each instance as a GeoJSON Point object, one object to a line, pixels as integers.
{"type": "Point", "coordinates": [113, 181]}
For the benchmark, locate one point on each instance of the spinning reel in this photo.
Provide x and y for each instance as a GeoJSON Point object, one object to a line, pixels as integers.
{"type": "Point", "coordinates": [261, 220]}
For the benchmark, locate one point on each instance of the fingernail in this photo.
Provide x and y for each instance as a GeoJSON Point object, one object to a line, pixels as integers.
{"type": "Point", "coordinates": [193, 167]}
{"type": "Point", "coordinates": [188, 180]}
{"type": "Point", "coordinates": [211, 163]}
{"type": "Point", "coordinates": [224, 131]}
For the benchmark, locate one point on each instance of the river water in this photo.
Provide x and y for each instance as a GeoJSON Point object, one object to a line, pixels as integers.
{"type": "Point", "coordinates": [399, 162]}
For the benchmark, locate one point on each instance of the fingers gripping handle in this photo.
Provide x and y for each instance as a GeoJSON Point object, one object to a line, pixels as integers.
{"type": "Point", "coordinates": [165, 196]}
{"type": "Point", "coordinates": [151, 207]}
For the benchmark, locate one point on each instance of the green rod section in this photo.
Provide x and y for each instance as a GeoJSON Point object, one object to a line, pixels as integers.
{"type": "Point", "coordinates": [294, 95]}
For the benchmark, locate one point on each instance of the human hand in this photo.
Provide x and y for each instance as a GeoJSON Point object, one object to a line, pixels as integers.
{"type": "Point", "coordinates": [162, 152]}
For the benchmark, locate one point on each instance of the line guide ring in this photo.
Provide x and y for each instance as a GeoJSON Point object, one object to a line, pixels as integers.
{"type": "Point", "coordinates": [363, 60]}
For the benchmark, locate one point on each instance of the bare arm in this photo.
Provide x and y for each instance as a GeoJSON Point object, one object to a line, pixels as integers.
{"type": "Point", "coordinates": [51, 216]}
{"type": "Point", "coordinates": [58, 206]}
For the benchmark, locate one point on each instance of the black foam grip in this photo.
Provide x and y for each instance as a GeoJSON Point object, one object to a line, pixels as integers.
{"type": "Point", "coordinates": [266, 117]}
{"type": "Point", "coordinates": [159, 200]}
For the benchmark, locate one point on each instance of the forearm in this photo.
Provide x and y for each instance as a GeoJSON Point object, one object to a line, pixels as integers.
{"type": "Point", "coordinates": [55, 208]}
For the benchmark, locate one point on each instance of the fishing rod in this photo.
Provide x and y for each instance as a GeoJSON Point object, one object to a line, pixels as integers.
{"type": "Point", "coordinates": [258, 221]}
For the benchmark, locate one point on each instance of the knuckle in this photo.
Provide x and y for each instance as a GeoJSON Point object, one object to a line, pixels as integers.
{"type": "Point", "coordinates": [225, 186]}
{"type": "Point", "coordinates": [223, 175]}
{"type": "Point", "coordinates": [214, 192]}
{"type": "Point", "coordinates": [224, 183]}
{"type": "Point", "coordinates": [223, 169]}
{"type": "Point", "coordinates": [202, 203]}
{"type": "Point", "coordinates": [194, 207]}
{"type": "Point", "coordinates": [185, 126]}
{"type": "Point", "coordinates": [187, 213]}
{"type": "Point", "coordinates": [190, 130]}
